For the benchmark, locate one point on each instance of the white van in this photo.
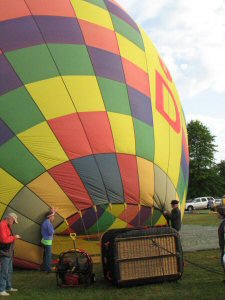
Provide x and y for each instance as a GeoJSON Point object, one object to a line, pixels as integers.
{"type": "Point", "coordinates": [199, 203]}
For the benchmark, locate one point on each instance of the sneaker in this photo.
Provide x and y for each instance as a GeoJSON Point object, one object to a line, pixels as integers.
{"type": "Point", "coordinates": [4, 293]}
{"type": "Point", "coordinates": [12, 290]}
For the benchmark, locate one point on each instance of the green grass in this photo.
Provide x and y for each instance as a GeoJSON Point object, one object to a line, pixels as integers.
{"type": "Point", "coordinates": [195, 283]}
{"type": "Point", "coordinates": [201, 217]}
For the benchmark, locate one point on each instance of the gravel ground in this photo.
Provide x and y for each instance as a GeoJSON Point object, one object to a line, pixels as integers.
{"type": "Point", "coordinates": [197, 237]}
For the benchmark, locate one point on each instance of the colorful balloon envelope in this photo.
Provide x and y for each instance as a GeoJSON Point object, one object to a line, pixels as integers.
{"type": "Point", "coordinates": [91, 121]}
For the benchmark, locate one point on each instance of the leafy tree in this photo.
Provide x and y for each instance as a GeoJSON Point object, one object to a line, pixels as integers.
{"type": "Point", "coordinates": [203, 175]}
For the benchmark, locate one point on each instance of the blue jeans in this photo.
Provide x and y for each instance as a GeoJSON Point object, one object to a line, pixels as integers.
{"type": "Point", "coordinates": [47, 257]}
{"type": "Point", "coordinates": [6, 270]}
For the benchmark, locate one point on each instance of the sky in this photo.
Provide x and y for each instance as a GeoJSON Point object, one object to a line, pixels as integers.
{"type": "Point", "coordinates": [190, 37]}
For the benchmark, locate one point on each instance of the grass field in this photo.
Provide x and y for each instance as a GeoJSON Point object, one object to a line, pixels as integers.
{"type": "Point", "coordinates": [201, 217]}
{"type": "Point", "coordinates": [195, 283]}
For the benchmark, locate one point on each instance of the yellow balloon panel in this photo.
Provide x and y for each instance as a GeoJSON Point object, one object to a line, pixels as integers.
{"type": "Point", "coordinates": [116, 210]}
{"type": "Point", "coordinates": [9, 187]}
{"type": "Point", "coordinates": [3, 207]}
{"type": "Point", "coordinates": [85, 93]}
{"type": "Point", "coordinates": [166, 114]}
{"type": "Point", "coordinates": [161, 126]}
{"type": "Point", "coordinates": [146, 181]}
{"type": "Point", "coordinates": [43, 144]}
{"type": "Point", "coordinates": [92, 13]}
{"type": "Point", "coordinates": [22, 249]}
{"type": "Point", "coordinates": [51, 97]}
{"type": "Point", "coordinates": [123, 133]}
{"type": "Point", "coordinates": [49, 191]}
{"type": "Point", "coordinates": [131, 52]}
{"type": "Point", "coordinates": [117, 224]}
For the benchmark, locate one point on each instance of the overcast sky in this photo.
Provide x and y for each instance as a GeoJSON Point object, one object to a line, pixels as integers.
{"type": "Point", "coordinates": [190, 37]}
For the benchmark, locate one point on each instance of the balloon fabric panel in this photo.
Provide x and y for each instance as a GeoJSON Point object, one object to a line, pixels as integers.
{"type": "Point", "coordinates": [46, 149]}
{"type": "Point", "coordinates": [91, 121]}
{"type": "Point", "coordinates": [111, 176]}
{"type": "Point", "coordinates": [144, 140]}
{"type": "Point", "coordinates": [92, 13]}
{"type": "Point", "coordinates": [3, 208]}
{"type": "Point", "coordinates": [112, 90]}
{"type": "Point", "coordinates": [105, 219]}
{"type": "Point", "coordinates": [146, 181]}
{"type": "Point", "coordinates": [140, 106]}
{"type": "Point", "coordinates": [140, 82]}
{"type": "Point", "coordinates": [71, 135]}
{"type": "Point", "coordinates": [26, 60]}
{"type": "Point", "coordinates": [106, 64]}
{"type": "Point", "coordinates": [90, 174]}
{"type": "Point", "coordinates": [98, 131]}
{"type": "Point", "coordinates": [47, 189]}
{"type": "Point", "coordinates": [19, 33]}
{"type": "Point", "coordinates": [123, 133]}
{"type": "Point", "coordinates": [72, 59]}
{"type": "Point", "coordinates": [70, 182]}
{"type": "Point", "coordinates": [35, 208]}
{"type": "Point", "coordinates": [13, 9]}
{"type": "Point", "coordinates": [99, 37]}
{"type": "Point", "coordinates": [118, 11]}
{"type": "Point", "coordinates": [84, 99]}
{"type": "Point", "coordinates": [35, 252]}
{"type": "Point", "coordinates": [129, 175]}
{"type": "Point", "coordinates": [6, 133]}
{"type": "Point", "coordinates": [24, 166]}
{"type": "Point", "coordinates": [9, 187]}
{"type": "Point", "coordinates": [128, 31]}
{"type": "Point", "coordinates": [23, 119]}
{"type": "Point", "coordinates": [45, 93]}
{"type": "Point", "coordinates": [99, 3]}
{"type": "Point", "coordinates": [8, 78]}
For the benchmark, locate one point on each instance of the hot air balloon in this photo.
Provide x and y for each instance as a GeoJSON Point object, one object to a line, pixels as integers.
{"type": "Point", "coordinates": [91, 121]}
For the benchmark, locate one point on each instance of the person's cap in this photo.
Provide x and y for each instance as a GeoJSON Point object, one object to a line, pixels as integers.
{"type": "Point", "coordinates": [173, 202]}
{"type": "Point", "coordinates": [13, 216]}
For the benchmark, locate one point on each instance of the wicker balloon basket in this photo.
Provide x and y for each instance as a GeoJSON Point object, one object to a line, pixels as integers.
{"type": "Point", "coordinates": [141, 256]}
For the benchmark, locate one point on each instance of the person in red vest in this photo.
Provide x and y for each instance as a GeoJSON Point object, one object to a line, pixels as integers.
{"type": "Point", "coordinates": [7, 240]}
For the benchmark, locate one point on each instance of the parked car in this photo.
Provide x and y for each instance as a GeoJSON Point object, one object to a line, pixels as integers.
{"type": "Point", "coordinates": [199, 203]}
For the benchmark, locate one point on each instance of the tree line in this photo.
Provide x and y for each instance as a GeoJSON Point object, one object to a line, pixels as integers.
{"type": "Point", "coordinates": [206, 177]}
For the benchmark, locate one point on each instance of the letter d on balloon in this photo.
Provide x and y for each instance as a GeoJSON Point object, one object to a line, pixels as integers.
{"type": "Point", "coordinates": [160, 85]}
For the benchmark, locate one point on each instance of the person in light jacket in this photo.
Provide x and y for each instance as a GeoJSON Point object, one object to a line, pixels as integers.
{"type": "Point", "coordinates": [47, 232]}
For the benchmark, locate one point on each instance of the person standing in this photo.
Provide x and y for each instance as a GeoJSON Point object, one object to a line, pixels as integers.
{"type": "Point", "coordinates": [174, 217]}
{"type": "Point", "coordinates": [221, 234]}
{"type": "Point", "coordinates": [47, 231]}
{"type": "Point", "coordinates": [7, 240]}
